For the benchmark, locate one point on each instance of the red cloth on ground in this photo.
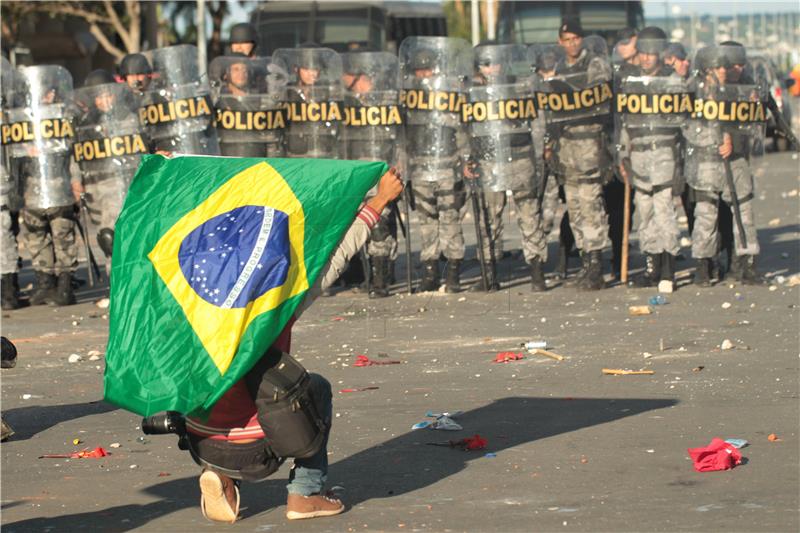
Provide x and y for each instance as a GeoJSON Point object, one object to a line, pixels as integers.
{"type": "Point", "coordinates": [719, 455]}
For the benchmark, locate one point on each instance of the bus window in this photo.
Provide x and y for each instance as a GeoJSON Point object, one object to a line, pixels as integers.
{"type": "Point", "coordinates": [602, 16]}
{"type": "Point", "coordinates": [534, 23]}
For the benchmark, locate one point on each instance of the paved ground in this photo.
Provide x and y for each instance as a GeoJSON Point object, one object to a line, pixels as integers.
{"type": "Point", "coordinates": [575, 450]}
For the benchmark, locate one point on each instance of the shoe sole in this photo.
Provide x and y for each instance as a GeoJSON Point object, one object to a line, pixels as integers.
{"type": "Point", "coordinates": [213, 502]}
{"type": "Point", "coordinates": [295, 515]}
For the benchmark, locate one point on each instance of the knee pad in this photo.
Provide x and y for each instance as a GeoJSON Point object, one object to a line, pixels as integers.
{"type": "Point", "coordinates": [105, 238]}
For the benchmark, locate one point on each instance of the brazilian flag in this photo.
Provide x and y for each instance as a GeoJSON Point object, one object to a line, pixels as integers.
{"type": "Point", "coordinates": [212, 256]}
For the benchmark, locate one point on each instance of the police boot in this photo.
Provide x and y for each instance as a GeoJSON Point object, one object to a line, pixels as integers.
{"type": "Point", "coordinates": [652, 271]}
{"type": "Point", "coordinates": [667, 282]}
{"type": "Point", "coordinates": [64, 294]}
{"type": "Point", "coordinates": [537, 276]}
{"type": "Point", "coordinates": [43, 289]}
{"type": "Point", "coordinates": [579, 277]}
{"type": "Point", "coordinates": [593, 280]}
{"type": "Point", "coordinates": [702, 273]}
{"type": "Point", "coordinates": [390, 279]}
{"type": "Point", "coordinates": [563, 261]}
{"type": "Point", "coordinates": [748, 274]}
{"type": "Point", "coordinates": [430, 277]}
{"type": "Point", "coordinates": [379, 277]}
{"type": "Point", "coordinates": [453, 280]}
{"type": "Point", "coordinates": [8, 290]}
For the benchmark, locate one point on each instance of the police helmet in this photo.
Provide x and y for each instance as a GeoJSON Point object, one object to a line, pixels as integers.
{"type": "Point", "coordinates": [135, 64]}
{"type": "Point", "coordinates": [99, 77]}
{"type": "Point", "coordinates": [651, 40]}
{"type": "Point", "coordinates": [484, 54]}
{"type": "Point", "coordinates": [710, 57]}
{"type": "Point", "coordinates": [243, 32]}
{"type": "Point", "coordinates": [308, 57]}
{"type": "Point", "coordinates": [734, 52]}
{"type": "Point", "coordinates": [423, 59]}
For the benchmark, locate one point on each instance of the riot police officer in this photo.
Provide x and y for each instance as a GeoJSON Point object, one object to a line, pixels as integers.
{"type": "Point", "coordinates": [10, 202]}
{"type": "Point", "coordinates": [314, 100]}
{"type": "Point", "coordinates": [650, 142]}
{"type": "Point", "coordinates": [718, 153]}
{"type": "Point", "coordinates": [109, 142]}
{"type": "Point", "coordinates": [176, 107]}
{"type": "Point", "coordinates": [136, 71]}
{"type": "Point", "coordinates": [248, 98]}
{"type": "Point", "coordinates": [502, 150]}
{"type": "Point", "coordinates": [436, 69]}
{"type": "Point", "coordinates": [579, 144]}
{"type": "Point", "coordinates": [243, 39]}
{"type": "Point", "coordinates": [373, 132]}
{"type": "Point", "coordinates": [49, 189]}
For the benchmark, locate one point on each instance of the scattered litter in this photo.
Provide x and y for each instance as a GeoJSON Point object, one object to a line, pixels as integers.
{"type": "Point", "coordinates": [698, 368]}
{"type": "Point", "coordinates": [115, 445]}
{"type": "Point", "coordinates": [467, 444]}
{"type": "Point", "coordinates": [142, 440]}
{"type": "Point", "coordinates": [164, 474]}
{"type": "Point", "coordinates": [76, 323]}
{"type": "Point", "coordinates": [718, 455]}
{"type": "Point", "coordinates": [657, 300]}
{"type": "Point", "coordinates": [726, 305]}
{"type": "Point", "coordinates": [75, 442]}
{"type": "Point", "coordinates": [507, 357]}
{"type": "Point", "coordinates": [621, 372]}
{"type": "Point", "coordinates": [83, 454]}
{"type": "Point", "coordinates": [727, 344]}
{"type": "Point", "coordinates": [103, 303]}
{"type": "Point", "coordinates": [639, 310]}
{"type": "Point", "coordinates": [551, 355]}
{"type": "Point", "coordinates": [532, 345]}
{"type": "Point", "coordinates": [27, 396]}
{"type": "Point", "coordinates": [490, 455]}
{"type": "Point", "coordinates": [134, 466]}
{"type": "Point", "coordinates": [462, 299]}
{"type": "Point", "coordinates": [443, 421]}
{"type": "Point", "coordinates": [650, 450]}
{"type": "Point", "coordinates": [358, 389]}
{"type": "Point", "coordinates": [772, 437]}
{"type": "Point", "coordinates": [793, 281]}
{"type": "Point", "coordinates": [773, 288]}
{"type": "Point", "coordinates": [92, 353]}
{"type": "Point", "coordinates": [666, 286]}
{"type": "Point", "coordinates": [75, 358]}
{"type": "Point", "coordinates": [363, 360]}
{"type": "Point", "coordinates": [774, 222]}
{"type": "Point", "coordinates": [337, 319]}
{"type": "Point", "coordinates": [737, 443]}
{"type": "Point", "coordinates": [647, 355]}
{"type": "Point", "coordinates": [584, 460]}
{"type": "Point", "coordinates": [94, 358]}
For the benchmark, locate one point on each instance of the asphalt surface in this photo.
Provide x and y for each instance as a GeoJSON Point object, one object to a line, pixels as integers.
{"type": "Point", "coordinates": [573, 449]}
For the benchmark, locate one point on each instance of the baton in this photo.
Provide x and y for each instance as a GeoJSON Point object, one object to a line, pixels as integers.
{"type": "Point", "coordinates": [737, 214]}
{"type": "Point", "coordinates": [94, 270]}
{"type": "Point", "coordinates": [406, 234]}
{"type": "Point", "coordinates": [479, 235]}
{"type": "Point", "coordinates": [626, 229]}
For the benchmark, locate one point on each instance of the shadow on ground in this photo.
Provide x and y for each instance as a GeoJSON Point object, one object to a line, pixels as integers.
{"type": "Point", "coordinates": [398, 466]}
{"type": "Point", "coordinates": [30, 420]}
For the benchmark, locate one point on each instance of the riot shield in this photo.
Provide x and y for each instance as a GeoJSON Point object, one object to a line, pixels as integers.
{"type": "Point", "coordinates": [38, 135]}
{"type": "Point", "coordinates": [313, 101]}
{"type": "Point", "coordinates": [499, 115]}
{"type": "Point", "coordinates": [248, 98]}
{"type": "Point", "coordinates": [435, 74]}
{"type": "Point", "coordinates": [372, 119]}
{"type": "Point", "coordinates": [723, 109]}
{"type": "Point", "coordinates": [109, 141]}
{"type": "Point", "coordinates": [9, 183]}
{"type": "Point", "coordinates": [577, 93]}
{"type": "Point", "coordinates": [176, 108]}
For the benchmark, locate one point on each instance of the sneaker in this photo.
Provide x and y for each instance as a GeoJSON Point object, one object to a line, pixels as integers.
{"type": "Point", "coordinates": [299, 507]}
{"type": "Point", "coordinates": [219, 497]}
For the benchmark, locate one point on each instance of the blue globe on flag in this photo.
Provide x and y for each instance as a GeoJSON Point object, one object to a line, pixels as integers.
{"type": "Point", "coordinates": [233, 258]}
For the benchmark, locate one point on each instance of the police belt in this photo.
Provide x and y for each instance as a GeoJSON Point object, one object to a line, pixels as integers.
{"type": "Point", "coordinates": [581, 135]}
{"type": "Point", "coordinates": [654, 145]}
{"type": "Point", "coordinates": [711, 154]}
{"type": "Point", "coordinates": [648, 132]}
{"type": "Point", "coordinates": [439, 164]}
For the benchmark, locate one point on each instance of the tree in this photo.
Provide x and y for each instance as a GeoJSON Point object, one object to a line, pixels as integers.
{"type": "Point", "coordinates": [109, 22]}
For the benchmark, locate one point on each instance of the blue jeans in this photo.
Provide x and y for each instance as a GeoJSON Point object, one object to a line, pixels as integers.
{"type": "Point", "coordinates": [308, 475]}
